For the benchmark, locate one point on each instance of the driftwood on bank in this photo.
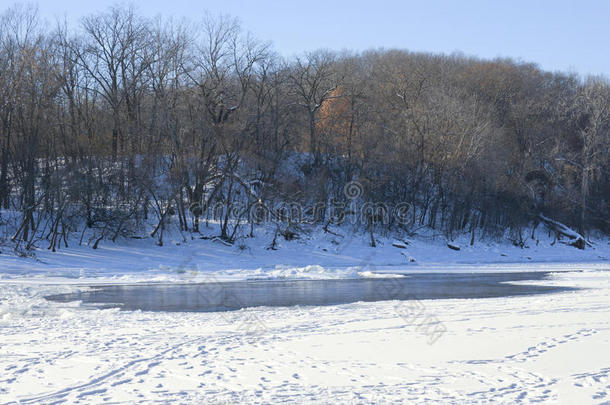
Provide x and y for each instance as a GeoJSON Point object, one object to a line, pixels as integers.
{"type": "Point", "coordinates": [453, 246]}
{"type": "Point", "coordinates": [575, 239]}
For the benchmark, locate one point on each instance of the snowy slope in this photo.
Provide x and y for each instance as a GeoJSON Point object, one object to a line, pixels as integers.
{"type": "Point", "coordinates": [315, 255]}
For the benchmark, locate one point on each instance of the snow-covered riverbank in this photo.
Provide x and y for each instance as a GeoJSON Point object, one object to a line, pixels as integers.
{"type": "Point", "coordinates": [315, 255]}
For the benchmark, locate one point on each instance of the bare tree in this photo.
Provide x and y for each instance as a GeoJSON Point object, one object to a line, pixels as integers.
{"type": "Point", "coordinates": [314, 79]}
{"type": "Point", "coordinates": [114, 54]}
{"type": "Point", "coordinates": [592, 117]}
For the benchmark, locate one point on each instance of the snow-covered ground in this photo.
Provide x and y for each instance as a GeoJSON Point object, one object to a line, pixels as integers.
{"type": "Point", "coordinates": [315, 255]}
{"type": "Point", "coordinates": [503, 350]}
{"type": "Point", "coordinates": [550, 348]}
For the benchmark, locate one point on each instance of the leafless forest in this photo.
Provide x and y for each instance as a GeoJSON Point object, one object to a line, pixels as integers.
{"type": "Point", "coordinates": [124, 121]}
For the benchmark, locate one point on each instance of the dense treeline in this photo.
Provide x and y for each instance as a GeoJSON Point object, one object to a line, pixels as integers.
{"type": "Point", "coordinates": [126, 119]}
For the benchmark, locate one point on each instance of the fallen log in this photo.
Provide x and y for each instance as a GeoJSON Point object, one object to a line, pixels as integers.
{"type": "Point", "coordinates": [453, 246]}
{"type": "Point", "coordinates": [576, 239]}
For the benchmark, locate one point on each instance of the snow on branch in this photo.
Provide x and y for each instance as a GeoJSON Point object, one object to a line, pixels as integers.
{"type": "Point", "coordinates": [576, 239]}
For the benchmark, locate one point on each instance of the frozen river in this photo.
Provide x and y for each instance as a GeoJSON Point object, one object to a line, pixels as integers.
{"type": "Point", "coordinates": [531, 337]}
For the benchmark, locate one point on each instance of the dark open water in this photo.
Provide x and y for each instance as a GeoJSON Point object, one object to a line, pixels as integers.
{"type": "Point", "coordinates": [227, 296]}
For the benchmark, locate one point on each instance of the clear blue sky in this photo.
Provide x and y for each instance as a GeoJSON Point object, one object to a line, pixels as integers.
{"type": "Point", "coordinates": [558, 35]}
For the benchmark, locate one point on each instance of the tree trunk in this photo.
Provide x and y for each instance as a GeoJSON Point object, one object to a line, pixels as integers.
{"type": "Point", "coordinates": [583, 201]}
